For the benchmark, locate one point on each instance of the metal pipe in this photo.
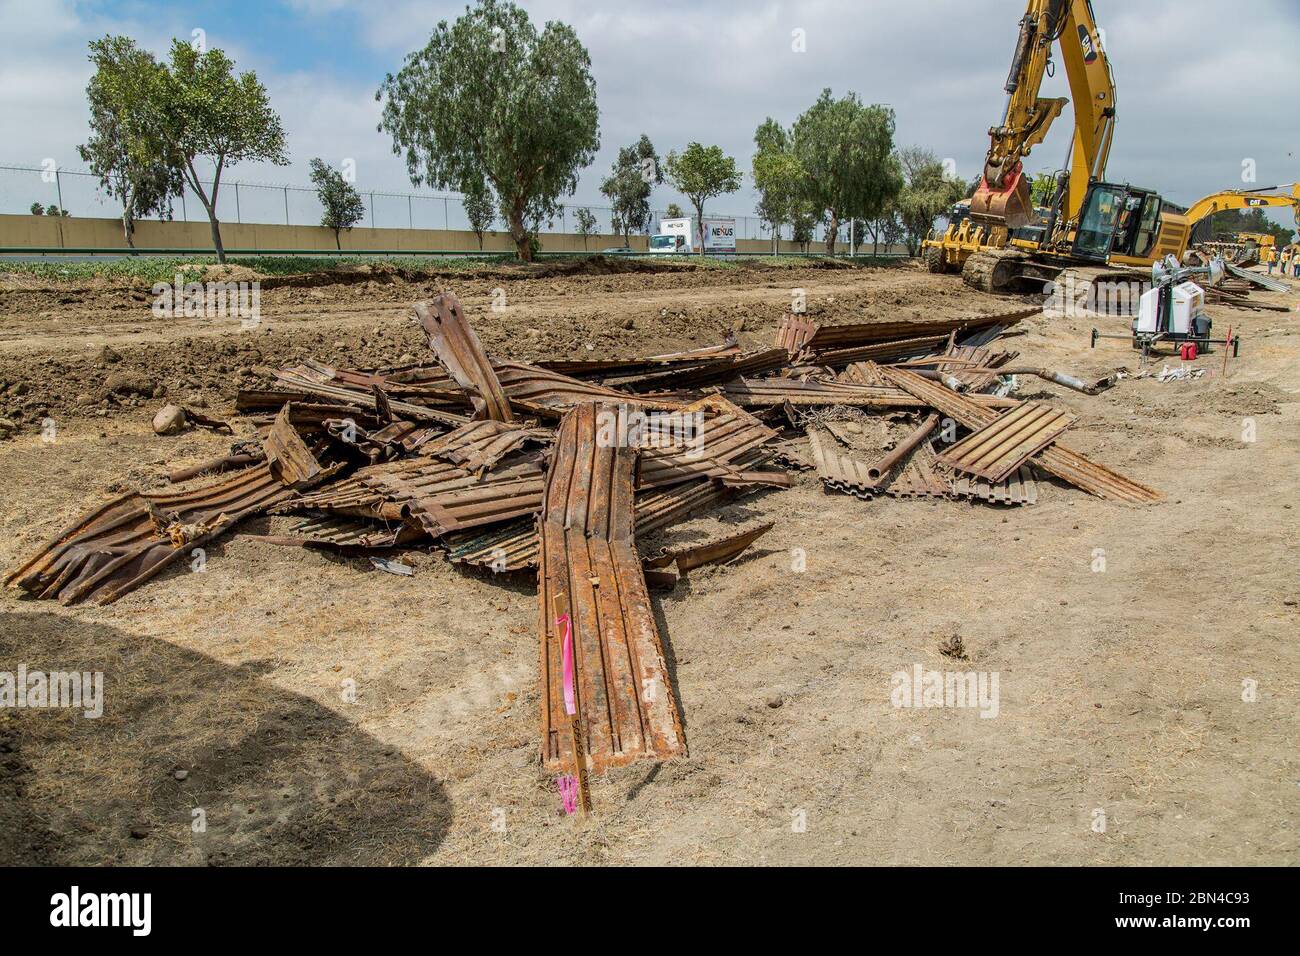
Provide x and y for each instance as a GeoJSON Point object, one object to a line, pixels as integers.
{"type": "Point", "coordinates": [885, 465]}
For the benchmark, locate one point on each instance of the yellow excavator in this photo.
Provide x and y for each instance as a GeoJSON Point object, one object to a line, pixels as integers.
{"type": "Point", "coordinates": [1000, 242]}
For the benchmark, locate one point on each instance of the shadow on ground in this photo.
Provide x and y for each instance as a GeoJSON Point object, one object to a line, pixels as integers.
{"type": "Point", "coordinates": [195, 762]}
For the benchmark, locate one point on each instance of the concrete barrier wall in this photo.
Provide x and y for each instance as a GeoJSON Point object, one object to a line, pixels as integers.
{"type": "Point", "coordinates": [30, 232]}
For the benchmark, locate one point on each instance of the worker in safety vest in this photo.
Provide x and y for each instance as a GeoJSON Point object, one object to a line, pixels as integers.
{"type": "Point", "coordinates": [1270, 258]}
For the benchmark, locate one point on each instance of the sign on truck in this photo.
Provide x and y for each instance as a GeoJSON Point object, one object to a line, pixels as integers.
{"type": "Point", "coordinates": [679, 235]}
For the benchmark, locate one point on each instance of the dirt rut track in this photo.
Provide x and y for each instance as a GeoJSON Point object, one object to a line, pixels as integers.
{"type": "Point", "coordinates": [1121, 690]}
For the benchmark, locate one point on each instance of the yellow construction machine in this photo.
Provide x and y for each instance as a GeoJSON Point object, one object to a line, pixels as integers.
{"type": "Point", "coordinates": [1091, 223]}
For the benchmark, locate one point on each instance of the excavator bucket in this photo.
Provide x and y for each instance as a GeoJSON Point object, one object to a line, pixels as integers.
{"type": "Point", "coordinates": [1010, 206]}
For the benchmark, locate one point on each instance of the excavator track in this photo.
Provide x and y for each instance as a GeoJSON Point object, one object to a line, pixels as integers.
{"type": "Point", "coordinates": [994, 270]}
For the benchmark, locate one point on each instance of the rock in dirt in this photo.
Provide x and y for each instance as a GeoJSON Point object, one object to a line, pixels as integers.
{"type": "Point", "coordinates": [7, 428]}
{"type": "Point", "coordinates": [108, 355]}
{"type": "Point", "coordinates": [170, 420]}
{"type": "Point", "coordinates": [128, 383]}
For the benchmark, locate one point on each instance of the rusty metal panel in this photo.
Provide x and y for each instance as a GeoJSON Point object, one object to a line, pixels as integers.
{"type": "Point", "coordinates": [797, 334]}
{"type": "Point", "coordinates": [1002, 446]}
{"type": "Point", "coordinates": [701, 374]}
{"type": "Point", "coordinates": [540, 390]}
{"type": "Point", "coordinates": [721, 442]}
{"type": "Point", "coordinates": [767, 392]}
{"type": "Point", "coordinates": [483, 443]}
{"type": "Point", "coordinates": [590, 571]}
{"type": "Point", "coordinates": [720, 551]}
{"type": "Point", "coordinates": [120, 545]}
{"type": "Point", "coordinates": [599, 367]}
{"type": "Point", "coordinates": [496, 498]}
{"type": "Point", "coordinates": [288, 455]}
{"type": "Point", "coordinates": [919, 478]}
{"type": "Point", "coordinates": [1017, 489]}
{"type": "Point", "coordinates": [302, 384]}
{"type": "Point", "coordinates": [891, 351]}
{"type": "Point", "coordinates": [453, 340]}
{"type": "Point", "coordinates": [793, 332]}
{"type": "Point", "coordinates": [1057, 460]}
{"type": "Point", "coordinates": [837, 470]}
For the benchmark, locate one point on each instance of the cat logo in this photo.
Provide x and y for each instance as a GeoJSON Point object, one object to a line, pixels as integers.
{"type": "Point", "coordinates": [1255, 202]}
{"type": "Point", "coordinates": [1085, 41]}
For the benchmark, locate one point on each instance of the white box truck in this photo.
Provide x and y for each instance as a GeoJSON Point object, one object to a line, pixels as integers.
{"type": "Point", "coordinates": [678, 235]}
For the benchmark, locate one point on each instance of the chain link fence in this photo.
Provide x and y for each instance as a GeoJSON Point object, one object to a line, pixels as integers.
{"type": "Point", "coordinates": [77, 192]}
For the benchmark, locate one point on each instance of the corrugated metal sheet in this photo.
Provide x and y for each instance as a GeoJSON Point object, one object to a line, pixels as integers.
{"type": "Point", "coordinates": [539, 390]}
{"type": "Point", "coordinates": [1063, 462]}
{"type": "Point", "coordinates": [836, 468]}
{"type": "Point", "coordinates": [797, 333]}
{"type": "Point", "coordinates": [289, 457]}
{"type": "Point", "coordinates": [1018, 489]}
{"type": "Point", "coordinates": [590, 571]}
{"type": "Point", "coordinates": [767, 392]}
{"type": "Point", "coordinates": [999, 448]}
{"type": "Point", "coordinates": [298, 381]}
{"type": "Point", "coordinates": [120, 545]}
{"type": "Point", "coordinates": [458, 348]}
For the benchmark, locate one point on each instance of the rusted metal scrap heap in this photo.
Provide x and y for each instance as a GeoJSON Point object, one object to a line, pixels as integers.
{"type": "Point", "coordinates": [564, 466]}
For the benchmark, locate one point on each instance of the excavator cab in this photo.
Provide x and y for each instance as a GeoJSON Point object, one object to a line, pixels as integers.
{"type": "Point", "coordinates": [1119, 220]}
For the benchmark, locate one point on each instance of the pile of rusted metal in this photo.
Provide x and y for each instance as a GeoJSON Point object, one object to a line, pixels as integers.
{"type": "Point", "coordinates": [563, 468]}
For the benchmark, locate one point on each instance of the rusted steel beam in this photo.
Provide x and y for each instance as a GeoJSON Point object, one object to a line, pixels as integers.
{"type": "Point", "coordinates": [590, 569]}
{"type": "Point", "coordinates": [453, 340]}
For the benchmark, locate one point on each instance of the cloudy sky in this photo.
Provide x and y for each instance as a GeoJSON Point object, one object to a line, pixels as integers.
{"type": "Point", "coordinates": [1203, 85]}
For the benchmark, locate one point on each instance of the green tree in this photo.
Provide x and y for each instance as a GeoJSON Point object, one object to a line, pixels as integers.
{"type": "Point", "coordinates": [56, 211]}
{"type": "Point", "coordinates": [341, 204]}
{"type": "Point", "coordinates": [489, 98]}
{"type": "Point", "coordinates": [586, 224]}
{"type": "Point", "coordinates": [480, 208]}
{"type": "Point", "coordinates": [700, 173]}
{"type": "Point", "coordinates": [778, 177]}
{"type": "Point", "coordinates": [927, 194]}
{"type": "Point", "coordinates": [139, 178]}
{"type": "Point", "coordinates": [674, 211]}
{"type": "Point", "coordinates": [635, 173]}
{"type": "Point", "coordinates": [194, 110]}
{"type": "Point", "coordinates": [38, 209]}
{"type": "Point", "coordinates": [845, 149]}
{"type": "Point", "coordinates": [1043, 188]}
{"type": "Point", "coordinates": [803, 225]}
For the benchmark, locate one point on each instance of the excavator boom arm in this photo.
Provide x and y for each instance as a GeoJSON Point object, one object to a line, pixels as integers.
{"type": "Point", "coordinates": [1003, 196]}
{"type": "Point", "coordinates": [1246, 199]}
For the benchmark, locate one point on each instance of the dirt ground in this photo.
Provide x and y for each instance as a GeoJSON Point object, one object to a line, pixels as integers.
{"type": "Point", "coordinates": [1146, 657]}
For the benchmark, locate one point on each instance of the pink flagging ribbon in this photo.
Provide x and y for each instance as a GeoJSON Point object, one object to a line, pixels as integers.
{"type": "Point", "coordinates": [568, 786]}
{"type": "Point", "coordinates": [570, 696]}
